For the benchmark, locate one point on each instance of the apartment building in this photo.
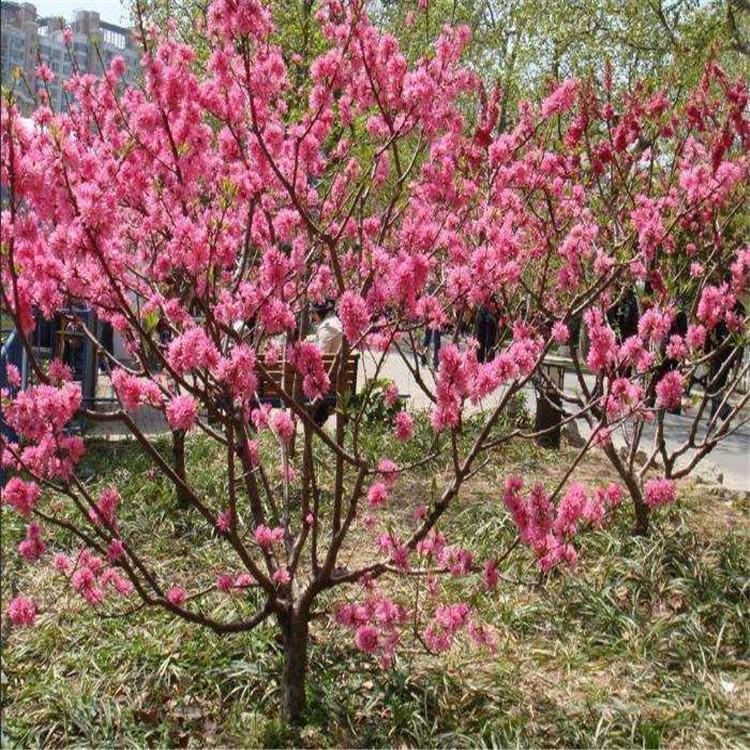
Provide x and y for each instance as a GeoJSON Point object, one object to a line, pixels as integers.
{"type": "Point", "coordinates": [26, 38]}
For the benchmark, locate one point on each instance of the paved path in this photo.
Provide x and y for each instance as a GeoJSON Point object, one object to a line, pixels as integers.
{"type": "Point", "coordinates": [731, 458]}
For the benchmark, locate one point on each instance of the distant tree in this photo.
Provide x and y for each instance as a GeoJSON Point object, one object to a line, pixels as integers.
{"type": "Point", "coordinates": [524, 45]}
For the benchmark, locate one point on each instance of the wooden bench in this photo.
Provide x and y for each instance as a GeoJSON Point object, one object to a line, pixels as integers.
{"type": "Point", "coordinates": [284, 375]}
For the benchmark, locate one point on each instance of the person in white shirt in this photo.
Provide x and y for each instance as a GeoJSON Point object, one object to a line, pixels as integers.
{"type": "Point", "coordinates": [328, 336]}
{"type": "Point", "coordinates": [329, 332]}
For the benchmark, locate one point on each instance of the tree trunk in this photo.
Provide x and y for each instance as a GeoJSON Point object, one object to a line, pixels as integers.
{"type": "Point", "coordinates": [640, 508]}
{"type": "Point", "coordinates": [178, 450]}
{"type": "Point", "coordinates": [295, 633]}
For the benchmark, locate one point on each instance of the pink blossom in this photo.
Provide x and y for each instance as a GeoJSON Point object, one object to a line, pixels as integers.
{"type": "Point", "coordinates": [117, 66]}
{"type": "Point", "coordinates": [603, 349]}
{"type": "Point", "coordinates": [224, 582]}
{"type": "Point", "coordinates": [243, 581]}
{"type": "Point", "coordinates": [561, 99]}
{"type": "Point", "coordinates": [713, 305]}
{"type": "Point", "coordinates": [133, 391]}
{"type": "Point", "coordinates": [84, 581]}
{"type": "Point", "coordinates": [62, 563]}
{"type": "Point", "coordinates": [404, 426]}
{"type": "Point", "coordinates": [253, 452]}
{"type": "Point", "coordinates": [44, 73]}
{"type": "Point", "coordinates": [389, 471]}
{"type": "Point", "coordinates": [354, 316]}
{"type": "Point", "coordinates": [120, 584]}
{"type": "Point", "coordinates": [115, 550]}
{"type": "Point", "coordinates": [182, 412]}
{"type": "Point", "coordinates": [570, 510]}
{"type": "Point", "coordinates": [676, 348]}
{"type": "Point", "coordinates": [266, 536]}
{"type": "Point", "coordinates": [447, 621]}
{"type": "Point", "coordinates": [377, 495]}
{"type": "Point", "coordinates": [32, 547]}
{"type": "Point", "coordinates": [13, 375]}
{"type": "Point", "coordinates": [366, 639]}
{"type": "Point", "coordinates": [260, 416]}
{"type": "Point", "coordinates": [191, 351]}
{"type": "Point", "coordinates": [659, 492]}
{"type": "Point", "coordinates": [43, 409]}
{"type": "Point", "coordinates": [491, 576]}
{"type": "Point", "coordinates": [239, 371]}
{"type": "Point", "coordinates": [22, 496]}
{"type": "Point", "coordinates": [459, 561]}
{"type": "Point", "coordinates": [390, 395]}
{"type": "Point", "coordinates": [695, 336]}
{"type": "Point", "coordinates": [224, 520]}
{"type": "Point", "coordinates": [176, 595]}
{"type": "Point", "coordinates": [22, 611]}
{"type": "Point", "coordinates": [669, 390]}
{"type": "Point", "coordinates": [106, 508]}
{"type": "Point", "coordinates": [560, 333]}
{"type": "Point", "coordinates": [654, 325]}
{"type": "Point", "coordinates": [308, 360]}
{"type": "Point", "coordinates": [282, 425]}
{"type": "Point", "coordinates": [59, 372]}
{"type": "Point", "coordinates": [281, 577]}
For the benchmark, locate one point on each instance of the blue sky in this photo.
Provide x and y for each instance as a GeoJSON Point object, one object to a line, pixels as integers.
{"type": "Point", "coordinates": [113, 11]}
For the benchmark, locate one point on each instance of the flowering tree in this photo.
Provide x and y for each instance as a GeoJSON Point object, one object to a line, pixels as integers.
{"type": "Point", "coordinates": [667, 337]}
{"type": "Point", "coordinates": [202, 214]}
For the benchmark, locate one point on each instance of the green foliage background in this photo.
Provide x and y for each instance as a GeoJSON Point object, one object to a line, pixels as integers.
{"type": "Point", "coordinates": [523, 45]}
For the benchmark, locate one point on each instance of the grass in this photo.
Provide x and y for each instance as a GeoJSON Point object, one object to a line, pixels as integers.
{"type": "Point", "coordinates": [646, 645]}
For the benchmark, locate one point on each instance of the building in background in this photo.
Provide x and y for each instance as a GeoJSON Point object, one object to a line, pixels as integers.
{"type": "Point", "coordinates": [25, 38]}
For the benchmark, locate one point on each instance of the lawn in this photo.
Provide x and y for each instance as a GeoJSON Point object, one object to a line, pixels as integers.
{"type": "Point", "coordinates": [646, 644]}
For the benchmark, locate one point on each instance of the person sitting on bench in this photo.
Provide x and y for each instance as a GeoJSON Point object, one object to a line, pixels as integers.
{"type": "Point", "coordinates": [328, 329]}
{"type": "Point", "coordinates": [328, 336]}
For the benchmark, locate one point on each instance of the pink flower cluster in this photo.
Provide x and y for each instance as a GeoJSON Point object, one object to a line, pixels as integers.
{"type": "Point", "coordinates": [282, 425]}
{"type": "Point", "coordinates": [105, 512]}
{"type": "Point", "coordinates": [32, 547]}
{"type": "Point", "coordinates": [226, 582]}
{"type": "Point", "coordinates": [375, 623]}
{"type": "Point", "coordinates": [43, 409]}
{"type": "Point", "coordinates": [40, 415]}
{"type": "Point", "coordinates": [390, 395]}
{"type": "Point", "coordinates": [239, 372]}
{"type": "Point", "coordinates": [447, 621]}
{"type": "Point", "coordinates": [403, 426]}
{"type": "Point", "coordinates": [22, 611]}
{"type": "Point", "coordinates": [354, 316]}
{"type": "Point", "coordinates": [377, 495]}
{"type": "Point", "coordinates": [308, 360]}
{"type": "Point", "coordinates": [660, 491]}
{"type": "Point", "coordinates": [266, 537]}
{"type": "Point", "coordinates": [91, 578]}
{"type": "Point", "coordinates": [603, 349]}
{"type": "Point", "coordinates": [549, 530]}
{"type": "Point", "coordinates": [176, 595]}
{"type": "Point", "coordinates": [182, 412]}
{"type": "Point", "coordinates": [669, 390]}
{"type": "Point", "coordinates": [192, 350]}
{"type": "Point", "coordinates": [134, 391]}
{"type": "Point", "coordinates": [22, 496]}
